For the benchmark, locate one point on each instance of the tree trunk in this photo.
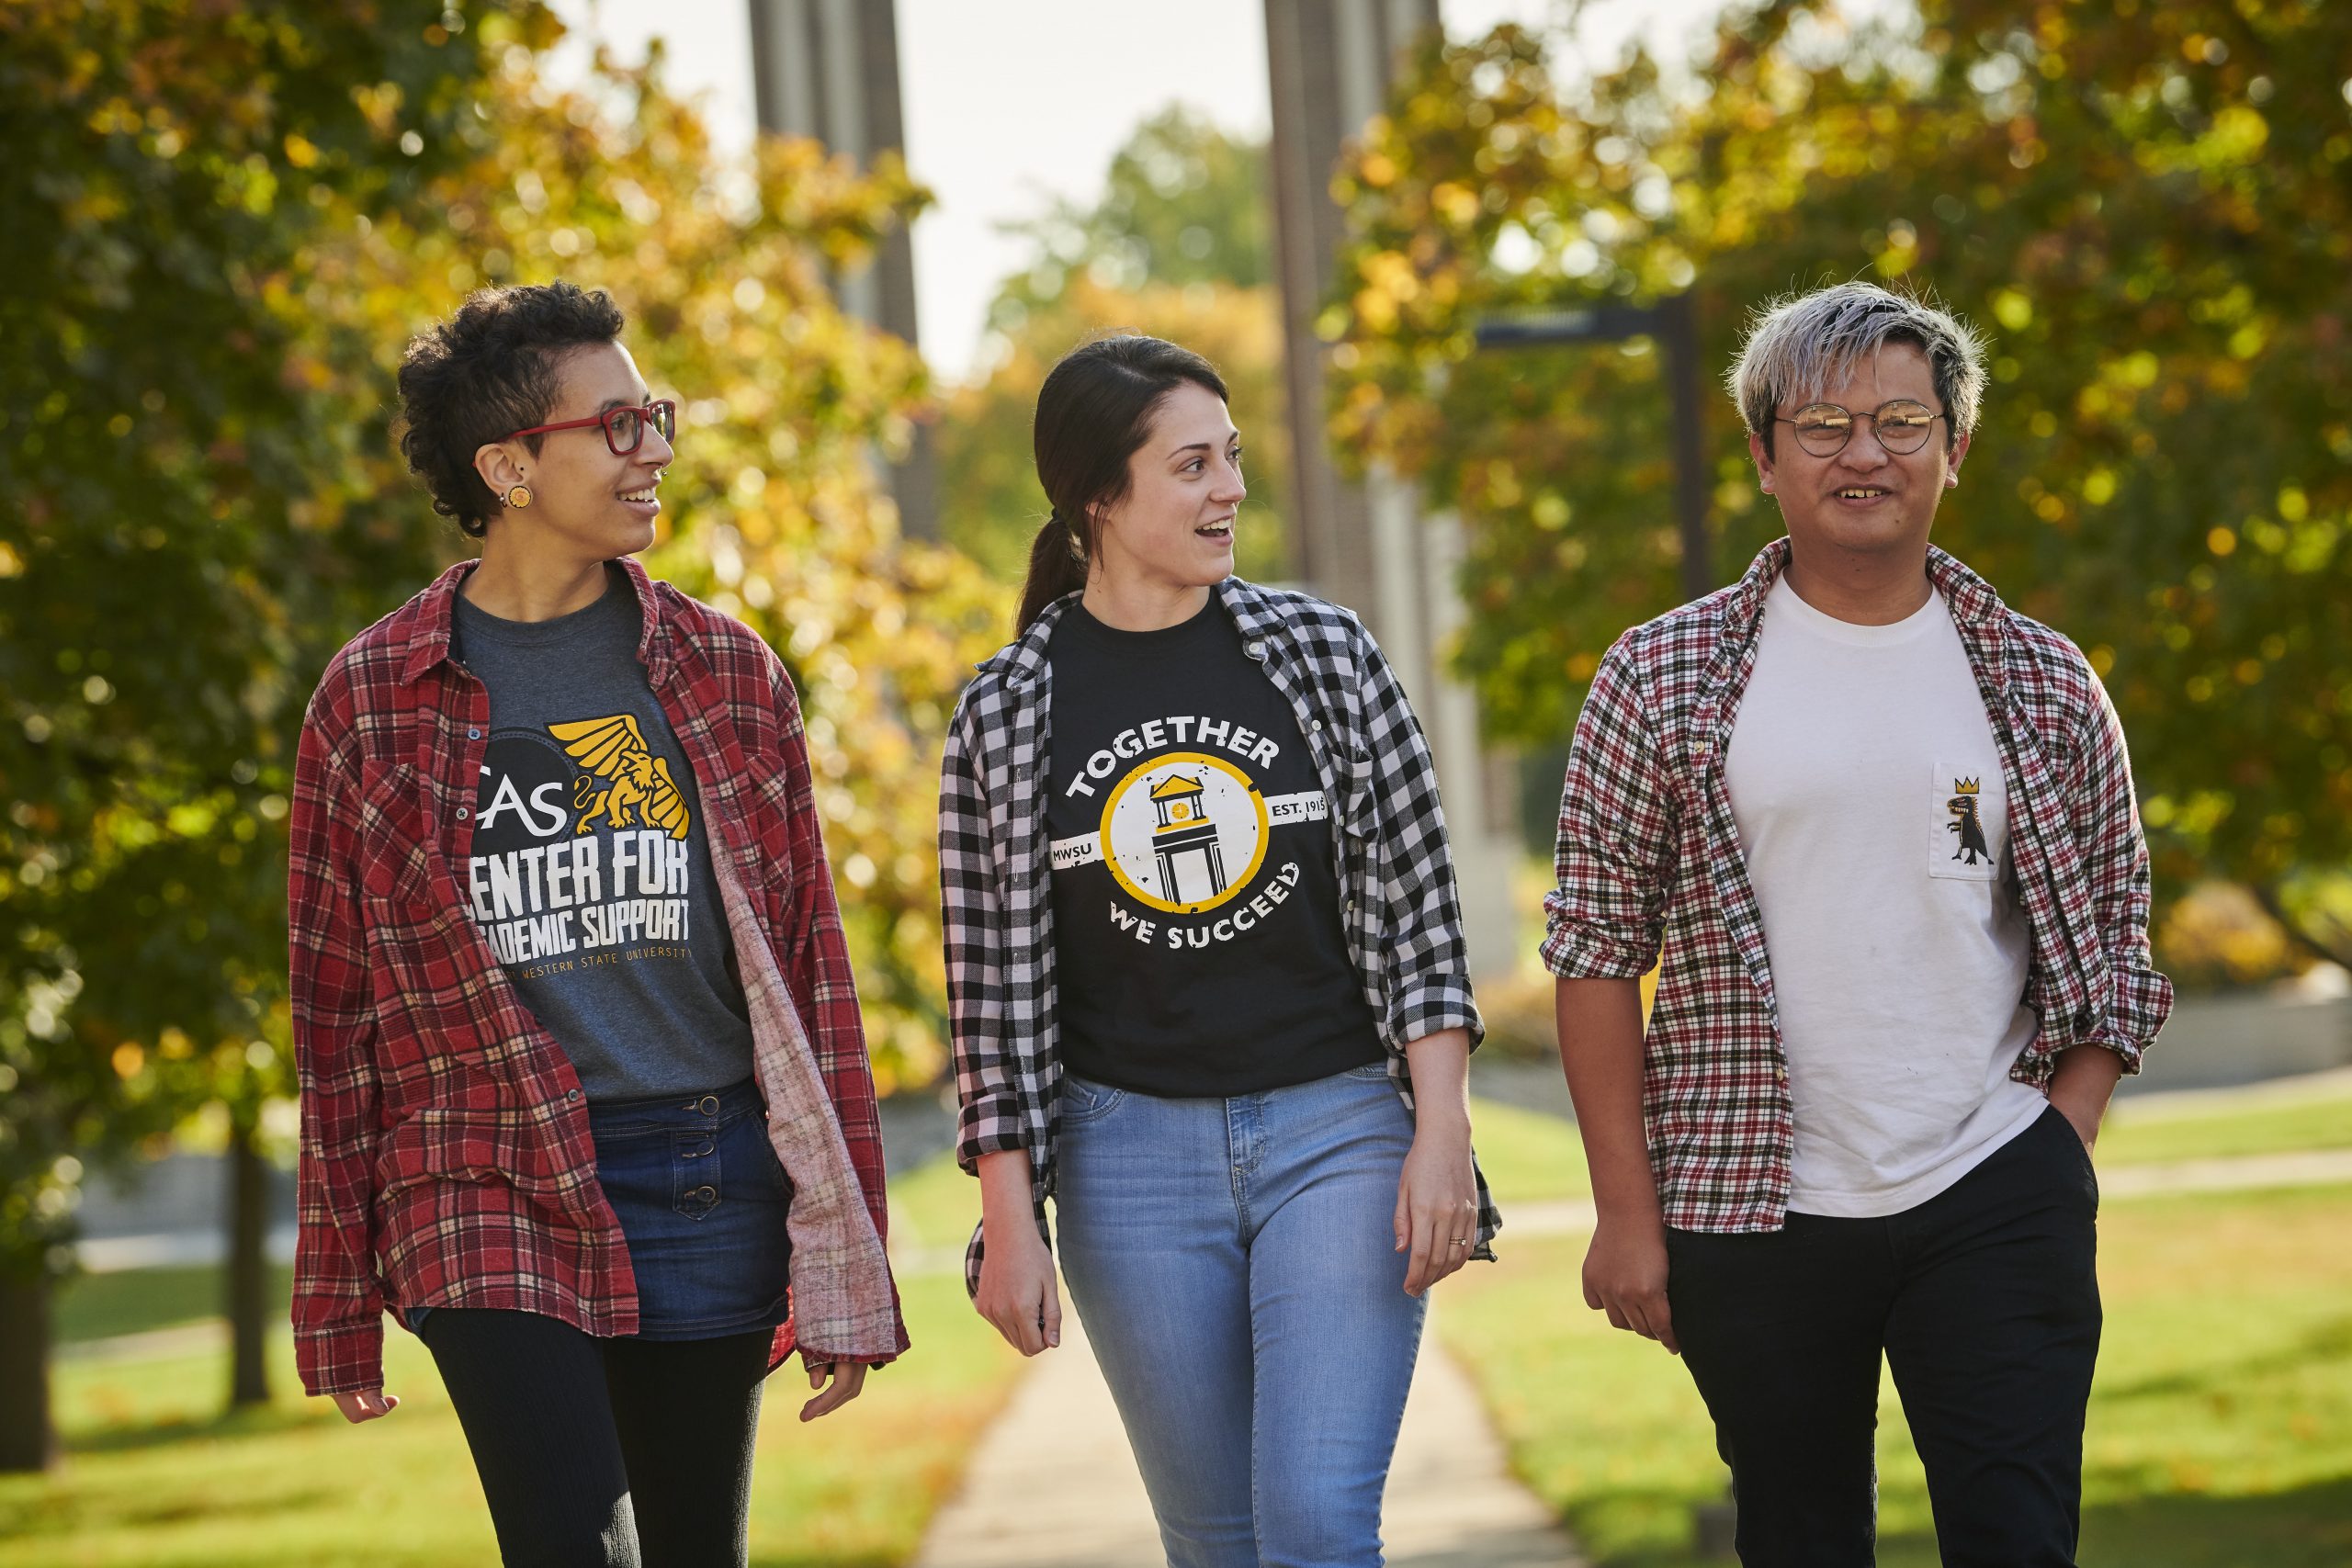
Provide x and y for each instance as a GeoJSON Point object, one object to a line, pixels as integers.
{"type": "Point", "coordinates": [28, 1440]}
{"type": "Point", "coordinates": [248, 1272]}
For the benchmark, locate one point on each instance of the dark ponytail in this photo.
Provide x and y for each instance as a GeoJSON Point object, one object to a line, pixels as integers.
{"type": "Point", "coordinates": [1093, 412]}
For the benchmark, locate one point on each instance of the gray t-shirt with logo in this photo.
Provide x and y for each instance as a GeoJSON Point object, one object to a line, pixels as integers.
{"type": "Point", "coordinates": [590, 874]}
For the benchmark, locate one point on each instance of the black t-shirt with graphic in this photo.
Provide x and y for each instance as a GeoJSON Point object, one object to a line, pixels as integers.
{"type": "Point", "coordinates": [1199, 951]}
{"type": "Point", "coordinates": [590, 873]}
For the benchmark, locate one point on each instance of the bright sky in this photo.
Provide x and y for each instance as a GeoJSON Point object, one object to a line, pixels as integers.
{"type": "Point", "coordinates": [1013, 102]}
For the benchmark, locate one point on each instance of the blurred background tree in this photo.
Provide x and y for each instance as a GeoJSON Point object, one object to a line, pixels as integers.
{"type": "Point", "coordinates": [2149, 209]}
{"type": "Point", "coordinates": [777, 513]}
{"type": "Point", "coordinates": [227, 223]}
{"type": "Point", "coordinates": [162, 602]}
{"type": "Point", "coordinates": [1178, 246]}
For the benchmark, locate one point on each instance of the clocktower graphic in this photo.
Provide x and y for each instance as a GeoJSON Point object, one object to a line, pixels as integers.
{"type": "Point", "coordinates": [1185, 831]}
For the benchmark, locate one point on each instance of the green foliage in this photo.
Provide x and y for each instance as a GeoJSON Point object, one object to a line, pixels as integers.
{"type": "Point", "coordinates": [2149, 207]}
{"type": "Point", "coordinates": [166, 580]}
{"type": "Point", "coordinates": [226, 223]}
{"type": "Point", "coordinates": [984, 433]}
{"type": "Point", "coordinates": [1182, 203]}
{"type": "Point", "coordinates": [2214, 936]}
{"type": "Point", "coordinates": [1178, 246]}
{"type": "Point", "coordinates": [779, 517]}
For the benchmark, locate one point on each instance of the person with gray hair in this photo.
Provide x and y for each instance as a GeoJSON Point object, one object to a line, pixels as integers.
{"type": "Point", "coordinates": [1876, 832]}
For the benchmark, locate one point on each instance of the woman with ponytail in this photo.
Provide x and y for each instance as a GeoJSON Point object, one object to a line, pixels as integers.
{"type": "Point", "coordinates": [1207, 984]}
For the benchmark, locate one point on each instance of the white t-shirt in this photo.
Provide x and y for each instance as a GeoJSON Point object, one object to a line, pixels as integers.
{"type": "Point", "coordinates": [1867, 787]}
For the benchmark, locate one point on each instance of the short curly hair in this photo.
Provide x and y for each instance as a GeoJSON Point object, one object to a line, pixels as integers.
{"type": "Point", "coordinates": [484, 373]}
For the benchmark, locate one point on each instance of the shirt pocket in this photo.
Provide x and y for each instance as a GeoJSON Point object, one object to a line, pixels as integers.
{"type": "Point", "coordinates": [482, 1145]}
{"type": "Point", "coordinates": [1966, 821]}
{"type": "Point", "coordinates": [395, 849]}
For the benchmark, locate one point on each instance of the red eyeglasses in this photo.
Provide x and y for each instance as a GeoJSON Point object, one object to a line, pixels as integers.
{"type": "Point", "coordinates": [624, 428]}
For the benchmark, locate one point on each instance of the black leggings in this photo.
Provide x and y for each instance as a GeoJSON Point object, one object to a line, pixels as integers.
{"type": "Point", "coordinates": [627, 1453]}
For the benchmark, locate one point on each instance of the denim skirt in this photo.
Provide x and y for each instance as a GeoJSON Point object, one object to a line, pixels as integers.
{"type": "Point", "coordinates": [701, 1199]}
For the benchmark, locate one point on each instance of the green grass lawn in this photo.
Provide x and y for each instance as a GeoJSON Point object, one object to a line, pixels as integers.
{"type": "Point", "coordinates": [98, 1307]}
{"type": "Point", "coordinates": [2268, 1119]}
{"type": "Point", "coordinates": [156, 1477]}
{"type": "Point", "coordinates": [1526, 1156]}
{"type": "Point", "coordinates": [2221, 1425]}
{"type": "Point", "coordinates": [934, 1207]}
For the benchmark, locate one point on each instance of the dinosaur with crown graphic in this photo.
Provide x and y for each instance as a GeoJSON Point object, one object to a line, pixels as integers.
{"type": "Point", "coordinates": [1967, 822]}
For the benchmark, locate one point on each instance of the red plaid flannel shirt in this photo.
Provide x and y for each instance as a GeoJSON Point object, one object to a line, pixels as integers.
{"type": "Point", "coordinates": [1649, 857]}
{"type": "Point", "coordinates": [446, 1155]}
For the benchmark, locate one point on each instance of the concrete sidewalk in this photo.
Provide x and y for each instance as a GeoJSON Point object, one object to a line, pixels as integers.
{"type": "Point", "coordinates": [1054, 1485]}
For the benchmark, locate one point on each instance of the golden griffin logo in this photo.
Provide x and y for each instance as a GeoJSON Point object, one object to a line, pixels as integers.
{"type": "Point", "coordinates": [628, 785]}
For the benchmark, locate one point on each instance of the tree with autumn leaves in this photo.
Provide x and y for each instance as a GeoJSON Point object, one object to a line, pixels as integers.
{"type": "Point", "coordinates": [227, 223]}
{"type": "Point", "coordinates": [1177, 245]}
{"type": "Point", "coordinates": [2148, 205]}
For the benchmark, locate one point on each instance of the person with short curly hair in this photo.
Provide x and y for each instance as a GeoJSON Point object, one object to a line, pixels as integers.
{"type": "Point", "coordinates": [585, 1103]}
{"type": "Point", "coordinates": [493, 366]}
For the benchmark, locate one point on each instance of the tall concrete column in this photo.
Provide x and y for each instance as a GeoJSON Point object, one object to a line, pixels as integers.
{"type": "Point", "coordinates": [1370, 545]}
{"type": "Point", "coordinates": [829, 70]}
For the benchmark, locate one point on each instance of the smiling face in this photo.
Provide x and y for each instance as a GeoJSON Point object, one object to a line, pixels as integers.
{"type": "Point", "coordinates": [586, 502]}
{"type": "Point", "coordinates": [1174, 527]}
{"type": "Point", "coordinates": [1862, 500]}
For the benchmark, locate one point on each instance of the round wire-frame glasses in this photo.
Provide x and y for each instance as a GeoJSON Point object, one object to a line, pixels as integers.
{"type": "Point", "coordinates": [1902, 425]}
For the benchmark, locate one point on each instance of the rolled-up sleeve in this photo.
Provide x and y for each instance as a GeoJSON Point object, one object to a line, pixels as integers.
{"type": "Point", "coordinates": [972, 929]}
{"type": "Point", "coordinates": [1605, 916]}
{"type": "Point", "coordinates": [1426, 953]}
{"type": "Point", "coordinates": [2106, 823]}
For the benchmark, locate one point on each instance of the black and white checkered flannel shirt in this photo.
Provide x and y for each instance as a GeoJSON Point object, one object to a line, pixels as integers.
{"type": "Point", "coordinates": [1396, 873]}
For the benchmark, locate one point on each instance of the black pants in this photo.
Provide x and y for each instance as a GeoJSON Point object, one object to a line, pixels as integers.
{"type": "Point", "coordinates": [623, 1453]}
{"type": "Point", "coordinates": [1985, 1300]}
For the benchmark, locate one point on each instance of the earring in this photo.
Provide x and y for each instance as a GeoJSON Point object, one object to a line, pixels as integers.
{"type": "Point", "coordinates": [1768, 487]}
{"type": "Point", "coordinates": [519, 497]}
{"type": "Point", "coordinates": [1951, 481]}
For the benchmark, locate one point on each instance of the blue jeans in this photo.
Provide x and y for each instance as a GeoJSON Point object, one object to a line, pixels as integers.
{"type": "Point", "coordinates": [1235, 1263]}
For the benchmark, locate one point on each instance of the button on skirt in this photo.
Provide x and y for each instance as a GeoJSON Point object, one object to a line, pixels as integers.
{"type": "Point", "coordinates": [702, 1201]}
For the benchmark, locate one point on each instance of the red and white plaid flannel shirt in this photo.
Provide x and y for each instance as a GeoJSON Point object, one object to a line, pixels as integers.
{"type": "Point", "coordinates": [1649, 856]}
{"type": "Point", "coordinates": [446, 1155]}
